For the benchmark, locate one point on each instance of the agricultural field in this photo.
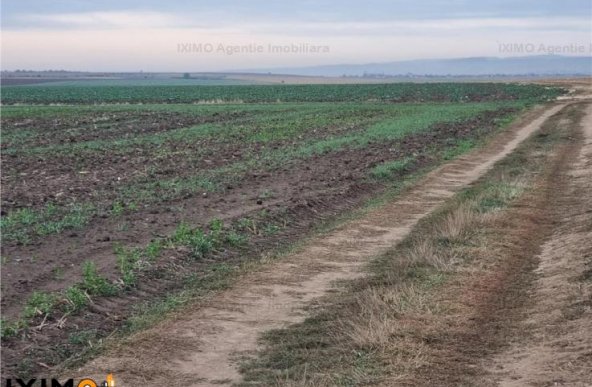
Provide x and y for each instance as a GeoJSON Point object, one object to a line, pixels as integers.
{"type": "Point", "coordinates": [120, 204]}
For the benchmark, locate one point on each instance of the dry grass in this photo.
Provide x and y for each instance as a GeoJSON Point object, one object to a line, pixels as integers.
{"type": "Point", "coordinates": [386, 319]}
{"type": "Point", "coordinates": [457, 227]}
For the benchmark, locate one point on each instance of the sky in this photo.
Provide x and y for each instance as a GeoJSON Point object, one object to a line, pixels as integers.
{"type": "Point", "coordinates": [177, 35]}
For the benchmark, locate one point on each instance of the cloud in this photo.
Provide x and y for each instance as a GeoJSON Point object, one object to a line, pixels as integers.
{"type": "Point", "coordinates": [215, 21]}
{"type": "Point", "coordinates": [105, 20]}
{"type": "Point", "coordinates": [430, 26]}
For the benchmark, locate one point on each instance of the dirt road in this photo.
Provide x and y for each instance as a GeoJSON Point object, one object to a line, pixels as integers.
{"type": "Point", "coordinates": [557, 349]}
{"type": "Point", "coordinates": [202, 347]}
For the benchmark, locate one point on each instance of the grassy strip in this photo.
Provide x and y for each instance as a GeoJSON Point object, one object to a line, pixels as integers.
{"type": "Point", "coordinates": [269, 123]}
{"type": "Point", "coordinates": [73, 111]}
{"type": "Point", "coordinates": [366, 334]}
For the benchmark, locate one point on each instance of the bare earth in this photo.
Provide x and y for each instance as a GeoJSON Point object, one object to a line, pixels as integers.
{"type": "Point", "coordinates": [201, 347]}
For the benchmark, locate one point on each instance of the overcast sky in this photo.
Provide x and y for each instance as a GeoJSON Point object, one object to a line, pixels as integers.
{"type": "Point", "coordinates": [131, 35]}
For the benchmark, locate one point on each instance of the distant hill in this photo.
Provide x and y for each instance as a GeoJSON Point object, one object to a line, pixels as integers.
{"type": "Point", "coordinates": [478, 66]}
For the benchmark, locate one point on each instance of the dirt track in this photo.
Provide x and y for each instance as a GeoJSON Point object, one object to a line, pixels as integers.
{"type": "Point", "coordinates": [553, 345]}
{"type": "Point", "coordinates": [519, 313]}
{"type": "Point", "coordinates": [201, 347]}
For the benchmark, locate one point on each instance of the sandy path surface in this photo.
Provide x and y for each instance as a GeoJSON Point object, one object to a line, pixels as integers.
{"type": "Point", "coordinates": [556, 344]}
{"type": "Point", "coordinates": [202, 347]}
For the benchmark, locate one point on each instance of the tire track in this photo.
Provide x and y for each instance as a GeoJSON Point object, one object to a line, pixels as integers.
{"type": "Point", "coordinates": [558, 350]}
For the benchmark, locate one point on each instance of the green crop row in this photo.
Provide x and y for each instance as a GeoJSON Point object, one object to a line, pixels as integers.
{"type": "Point", "coordinates": [392, 92]}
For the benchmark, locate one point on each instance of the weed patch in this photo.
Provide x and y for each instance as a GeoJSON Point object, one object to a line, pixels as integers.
{"type": "Point", "coordinates": [390, 169]}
